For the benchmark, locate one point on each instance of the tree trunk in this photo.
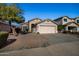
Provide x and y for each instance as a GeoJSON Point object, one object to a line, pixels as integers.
{"type": "Point", "coordinates": [10, 25]}
{"type": "Point", "coordinates": [12, 28]}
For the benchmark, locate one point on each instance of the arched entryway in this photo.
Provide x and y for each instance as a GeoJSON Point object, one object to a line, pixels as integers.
{"type": "Point", "coordinates": [33, 27]}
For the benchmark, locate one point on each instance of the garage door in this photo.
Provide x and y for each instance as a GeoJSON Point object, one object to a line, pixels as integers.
{"type": "Point", "coordinates": [47, 29]}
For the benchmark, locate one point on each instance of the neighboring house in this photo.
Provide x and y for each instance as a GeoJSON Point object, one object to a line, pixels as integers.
{"type": "Point", "coordinates": [70, 24]}
{"type": "Point", "coordinates": [4, 26]}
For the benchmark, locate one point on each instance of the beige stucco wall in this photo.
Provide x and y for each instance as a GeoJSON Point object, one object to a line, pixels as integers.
{"type": "Point", "coordinates": [50, 27]}
{"type": "Point", "coordinates": [77, 19]}
{"type": "Point", "coordinates": [33, 22]}
{"type": "Point", "coordinates": [68, 20]}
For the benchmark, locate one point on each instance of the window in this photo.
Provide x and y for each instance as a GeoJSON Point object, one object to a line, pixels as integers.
{"type": "Point", "coordinates": [65, 20]}
{"type": "Point", "coordinates": [77, 21]}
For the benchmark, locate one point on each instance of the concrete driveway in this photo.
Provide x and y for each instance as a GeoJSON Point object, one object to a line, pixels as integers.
{"type": "Point", "coordinates": [43, 45]}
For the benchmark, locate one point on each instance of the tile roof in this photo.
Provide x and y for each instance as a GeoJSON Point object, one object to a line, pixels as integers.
{"type": "Point", "coordinates": [47, 20]}
{"type": "Point", "coordinates": [70, 23]}
{"type": "Point", "coordinates": [34, 19]}
{"type": "Point", "coordinates": [62, 17]}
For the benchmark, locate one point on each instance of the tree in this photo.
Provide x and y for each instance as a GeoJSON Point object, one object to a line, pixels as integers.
{"type": "Point", "coordinates": [2, 11]}
{"type": "Point", "coordinates": [14, 14]}
{"type": "Point", "coordinates": [11, 13]}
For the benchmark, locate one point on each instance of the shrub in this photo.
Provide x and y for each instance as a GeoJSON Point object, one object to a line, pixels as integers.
{"type": "Point", "coordinates": [3, 38]}
{"type": "Point", "coordinates": [60, 27]}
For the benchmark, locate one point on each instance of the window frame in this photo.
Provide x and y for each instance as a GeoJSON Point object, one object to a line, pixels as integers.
{"type": "Point", "coordinates": [77, 21]}
{"type": "Point", "coordinates": [65, 20]}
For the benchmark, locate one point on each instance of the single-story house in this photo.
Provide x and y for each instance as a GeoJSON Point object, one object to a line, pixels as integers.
{"type": "Point", "coordinates": [40, 26]}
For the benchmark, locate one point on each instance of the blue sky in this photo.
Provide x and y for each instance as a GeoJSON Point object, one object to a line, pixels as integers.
{"type": "Point", "coordinates": [49, 10]}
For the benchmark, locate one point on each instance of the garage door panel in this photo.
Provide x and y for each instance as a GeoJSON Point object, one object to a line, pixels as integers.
{"type": "Point", "coordinates": [47, 29]}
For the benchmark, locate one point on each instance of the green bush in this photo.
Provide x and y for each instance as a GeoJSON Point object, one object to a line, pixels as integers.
{"type": "Point", "coordinates": [3, 38]}
{"type": "Point", "coordinates": [61, 27]}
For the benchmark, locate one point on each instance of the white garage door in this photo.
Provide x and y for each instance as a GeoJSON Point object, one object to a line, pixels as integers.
{"type": "Point", "coordinates": [47, 29]}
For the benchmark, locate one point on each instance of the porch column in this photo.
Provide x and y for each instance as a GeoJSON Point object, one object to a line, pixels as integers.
{"type": "Point", "coordinates": [66, 28]}
{"type": "Point", "coordinates": [77, 29]}
{"type": "Point", "coordinates": [29, 27]}
{"type": "Point", "coordinates": [22, 28]}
